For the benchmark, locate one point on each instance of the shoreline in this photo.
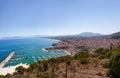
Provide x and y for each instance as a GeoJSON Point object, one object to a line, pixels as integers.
{"type": "Point", "coordinates": [67, 52]}
{"type": "Point", "coordinates": [11, 69]}
{"type": "Point", "coordinates": [44, 49]}
{"type": "Point", "coordinates": [6, 59]}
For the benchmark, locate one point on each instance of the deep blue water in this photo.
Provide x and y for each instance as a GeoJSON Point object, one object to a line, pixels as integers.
{"type": "Point", "coordinates": [27, 50]}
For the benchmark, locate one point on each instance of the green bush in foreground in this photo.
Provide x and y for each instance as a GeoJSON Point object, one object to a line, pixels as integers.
{"type": "Point", "coordinates": [84, 60]}
{"type": "Point", "coordinates": [83, 57]}
{"type": "Point", "coordinates": [44, 75]}
{"type": "Point", "coordinates": [20, 69]}
{"type": "Point", "coordinates": [102, 53]}
{"type": "Point", "coordinates": [114, 71]}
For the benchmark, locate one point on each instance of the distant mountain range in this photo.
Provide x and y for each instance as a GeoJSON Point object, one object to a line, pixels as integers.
{"type": "Point", "coordinates": [89, 34]}
{"type": "Point", "coordinates": [81, 35]}
{"type": "Point", "coordinates": [114, 35]}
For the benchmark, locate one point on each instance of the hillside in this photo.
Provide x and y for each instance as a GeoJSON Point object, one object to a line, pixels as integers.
{"type": "Point", "coordinates": [115, 35]}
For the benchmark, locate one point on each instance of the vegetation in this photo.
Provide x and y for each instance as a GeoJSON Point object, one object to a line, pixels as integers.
{"type": "Point", "coordinates": [44, 75]}
{"type": "Point", "coordinates": [114, 64]}
{"type": "Point", "coordinates": [83, 57]}
{"type": "Point", "coordinates": [20, 69]}
{"type": "Point", "coordinates": [102, 53]}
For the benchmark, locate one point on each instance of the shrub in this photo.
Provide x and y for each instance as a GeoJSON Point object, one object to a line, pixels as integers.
{"type": "Point", "coordinates": [114, 64]}
{"type": "Point", "coordinates": [8, 75]}
{"type": "Point", "coordinates": [106, 65]}
{"type": "Point", "coordinates": [81, 55]}
{"type": "Point", "coordinates": [20, 69]}
{"type": "Point", "coordinates": [102, 53]}
{"type": "Point", "coordinates": [45, 65]}
{"type": "Point", "coordinates": [44, 75]}
{"type": "Point", "coordinates": [84, 60]}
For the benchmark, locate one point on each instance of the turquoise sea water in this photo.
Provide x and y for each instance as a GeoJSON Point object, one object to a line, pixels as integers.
{"type": "Point", "coordinates": [27, 50]}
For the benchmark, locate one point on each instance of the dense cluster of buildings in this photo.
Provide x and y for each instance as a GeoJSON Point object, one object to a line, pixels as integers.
{"type": "Point", "coordinates": [87, 44]}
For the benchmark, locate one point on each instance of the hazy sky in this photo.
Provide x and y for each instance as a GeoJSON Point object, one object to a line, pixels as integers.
{"type": "Point", "coordinates": [58, 17]}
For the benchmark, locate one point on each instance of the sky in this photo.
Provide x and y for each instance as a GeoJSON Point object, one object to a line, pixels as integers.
{"type": "Point", "coordinates": [58, 17]}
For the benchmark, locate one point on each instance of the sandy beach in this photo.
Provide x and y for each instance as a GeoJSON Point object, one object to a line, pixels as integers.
{"type": "Point", "coordinates": [11, 69]}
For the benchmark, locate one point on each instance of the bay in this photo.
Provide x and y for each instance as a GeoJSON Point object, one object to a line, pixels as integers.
{"type": "Point", "coordinates": [27, 50]}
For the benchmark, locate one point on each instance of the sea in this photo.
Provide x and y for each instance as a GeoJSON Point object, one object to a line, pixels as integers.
{"type": "Point", "coordinates": [28, 50]}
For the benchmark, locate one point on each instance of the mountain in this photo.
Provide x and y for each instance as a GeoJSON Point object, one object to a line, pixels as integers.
{"type": "Point", "coordinates": [89, 34]}
{"type": "Point", "coordinates": [81, 35]}
{"type": "Point", "coordinates": [115, 35]}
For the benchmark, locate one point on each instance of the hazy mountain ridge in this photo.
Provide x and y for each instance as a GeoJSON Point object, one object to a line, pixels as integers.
{"type": "Point", "coordinates": [115, 35]}
{"type": "Point", "coordinates": [89, 34]}
{"type": "Point", "coordinates": [81, 35]}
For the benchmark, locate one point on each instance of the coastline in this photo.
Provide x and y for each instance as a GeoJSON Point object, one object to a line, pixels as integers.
{"type": "Point", "coordinates": [44, 49]}
{"type": "Point", "coordinates": [67, 52]}
{"type": "Point", "coordinates": [11, 69]}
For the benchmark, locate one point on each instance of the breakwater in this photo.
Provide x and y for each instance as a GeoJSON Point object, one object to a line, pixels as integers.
{"type": "Point", "coordinates": [7, 59]}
